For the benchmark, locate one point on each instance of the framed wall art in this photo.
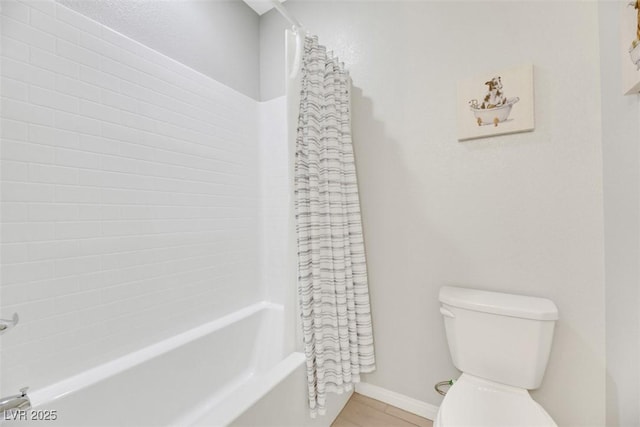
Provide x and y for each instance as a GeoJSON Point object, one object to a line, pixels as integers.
{"type": "Point", "coordinates": [496, 103]}
{"type": "Point", "coordinates": [630, 45]}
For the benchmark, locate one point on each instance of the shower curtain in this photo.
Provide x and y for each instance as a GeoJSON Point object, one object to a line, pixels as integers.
{"type": "Point", "coordinates": [332, 272]}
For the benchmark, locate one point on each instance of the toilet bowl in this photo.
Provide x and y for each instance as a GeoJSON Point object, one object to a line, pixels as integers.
{"type": "Point", "coordinates": [501, 343]}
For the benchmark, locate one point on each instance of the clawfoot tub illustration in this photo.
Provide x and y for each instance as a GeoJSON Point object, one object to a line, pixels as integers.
{"type": "Point", "coordinates": [493, 115]}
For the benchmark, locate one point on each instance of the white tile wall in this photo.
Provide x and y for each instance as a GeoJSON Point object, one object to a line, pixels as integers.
{"type": "Point", "coordinates": [277, 267]}
{"type": "Point", "coordinates": [130, 195]}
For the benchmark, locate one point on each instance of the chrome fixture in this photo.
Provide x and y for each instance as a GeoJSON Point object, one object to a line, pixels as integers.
{"type": "Point", "coordinates": [439, 386]}
{"type": "Point", "coordinates": [6, 324]}
{"type": "Point", "coordinates": [18, 402]}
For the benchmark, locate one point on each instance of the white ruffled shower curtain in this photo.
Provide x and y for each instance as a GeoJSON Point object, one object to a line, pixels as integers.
{"type": "Point", "coordinates": [332, 272]}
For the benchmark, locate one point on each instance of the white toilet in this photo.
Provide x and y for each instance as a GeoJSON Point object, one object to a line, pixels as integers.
{"type": "Point", "coordinates": [501, 343]}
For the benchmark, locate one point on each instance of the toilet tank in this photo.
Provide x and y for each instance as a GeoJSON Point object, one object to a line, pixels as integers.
{"type": "Point", "coordinates": [500, 337]}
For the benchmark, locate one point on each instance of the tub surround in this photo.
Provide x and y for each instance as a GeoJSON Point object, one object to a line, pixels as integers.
{"type": "Point", "coordinates": [130, 195]}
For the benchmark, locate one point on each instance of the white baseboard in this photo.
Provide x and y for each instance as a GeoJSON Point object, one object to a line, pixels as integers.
{"type": "Point", "coordinates": [398, 400]}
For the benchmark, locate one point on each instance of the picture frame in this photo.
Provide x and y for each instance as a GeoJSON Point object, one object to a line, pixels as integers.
{"type": "Point", "coordinates": [630, 45]}
{"type": "Point", "coordinates": [496, 103]}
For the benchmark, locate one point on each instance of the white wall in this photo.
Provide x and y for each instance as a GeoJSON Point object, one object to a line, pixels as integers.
{"type": "Point", "coordinates": [621, 167]}
{"type": "Point", "coordinates": [272, 55]}
{"type": "Point", "coordinates": [218, 37]}
{"type": "Point", "coordinates": [520, 213]}
{"type": "Point", "coordinates": [130, 195]}
{"type": "Point", "coordinates": [274, 189]}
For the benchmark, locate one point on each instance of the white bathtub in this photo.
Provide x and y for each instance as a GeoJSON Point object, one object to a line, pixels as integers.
{"type": "Point", "coordinates": [229, 371]}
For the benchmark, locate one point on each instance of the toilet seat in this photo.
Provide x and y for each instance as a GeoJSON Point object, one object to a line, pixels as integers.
{"type": "Point", "coordinates": [477, 402]}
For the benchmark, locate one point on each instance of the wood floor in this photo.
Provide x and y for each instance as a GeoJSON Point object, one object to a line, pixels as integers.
{"type": "Point", "coordinates": [362, 411]}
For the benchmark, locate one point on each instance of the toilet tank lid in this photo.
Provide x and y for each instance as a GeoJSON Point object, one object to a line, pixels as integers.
{"type": "Point", "coordinates": [499, 303]}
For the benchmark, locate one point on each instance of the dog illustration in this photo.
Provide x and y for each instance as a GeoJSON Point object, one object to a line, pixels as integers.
{"type": "Point", "coordinates": [494, 97]}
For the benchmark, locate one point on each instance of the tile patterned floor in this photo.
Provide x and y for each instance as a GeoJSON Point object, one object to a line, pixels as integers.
{"type": "Point", "coordinates": [362, 411]}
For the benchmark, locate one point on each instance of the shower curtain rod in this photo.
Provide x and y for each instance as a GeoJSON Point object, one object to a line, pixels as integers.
{"type": "Point", "coordinates": [284, 12]}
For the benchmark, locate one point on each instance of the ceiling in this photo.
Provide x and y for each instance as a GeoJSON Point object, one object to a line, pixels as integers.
{"type": "Point", "coordinates": [261, 6]}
